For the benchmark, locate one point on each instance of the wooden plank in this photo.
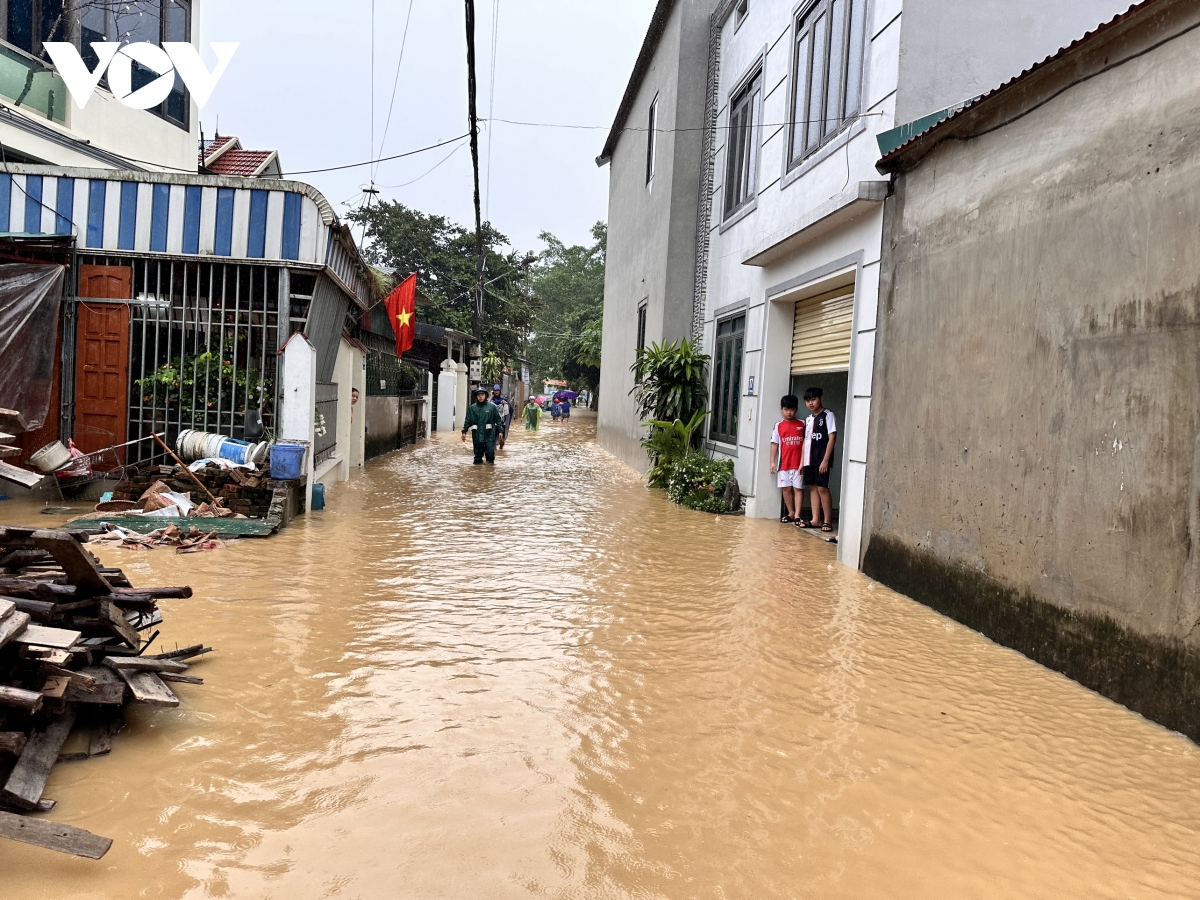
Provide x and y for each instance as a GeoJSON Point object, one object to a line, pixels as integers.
{"type": "Point", "coordinates": [182, 679]}
{"type": "Point", "coordinates": [6, 607]}
{"type": "Point", "coordinates": [112, 616]}
{"type": "Point", "coordinates": [107, 688]}
{"type": "Point", "coordinates": [140, 620]}
{"type": "Point", "coordinates": [6, 451]}
{"type": "Point", "coordinates": [31, 701]}
{"type": "Point", "coordinates": [143, 664]}
{"type": "Point", "coordinates": [12, 742]}
{"type": "Point", "coordinates": [16, 475]}
{"type": "Point", "coordinates": [53, 836]}
{"type": "Point", "coordinates": [28, 778]}
{"type": "Point", "coordinates": [44, 636]}
{"type": "Point", "coordinates": [82, 569]}
{"type": "Point", "coordinates": [55, 687]}
{"type": "Point", "coordinates": [5, 437]}
{"type": "Point", "coordinates": [148, 688]}
{"type": "Point", "coordinates": [13, 420]}
{"type": "Point", "coordinates": [40, 610]}
{"type": "Point", "coordinates": [184, 652]}
{"type": "Point", "coordinates": [12, 626]}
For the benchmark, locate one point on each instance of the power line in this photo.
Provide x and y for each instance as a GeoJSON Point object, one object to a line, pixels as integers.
{"type": "Point", "coordinates": [635, 128]}
{"type": "Point", "coordinates": [395, 83]}
{"type": "Point", "coordinates": [429, 171]}
{"type": "Point", "coordinates": [372, 161]}
{"type": "Point", "coordinates": [492, 104]}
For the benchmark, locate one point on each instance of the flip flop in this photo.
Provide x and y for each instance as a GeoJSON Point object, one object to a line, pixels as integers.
{"type": "Point", "coordinates": [786, 519]}
{"type": "Point", "coordinates": [827, 528]}
{"type": "Point", "coordinates": [800, 523]}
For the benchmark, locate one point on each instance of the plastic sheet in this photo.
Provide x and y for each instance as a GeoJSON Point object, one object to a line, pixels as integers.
{"type": "Point", "coordinates": [30, 306]}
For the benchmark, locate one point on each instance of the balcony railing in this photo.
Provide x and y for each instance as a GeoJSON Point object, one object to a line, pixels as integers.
{"type": "Point", "coordinates": [32, 85]}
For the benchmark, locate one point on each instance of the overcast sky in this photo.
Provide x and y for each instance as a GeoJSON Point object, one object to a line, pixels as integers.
{"type": "Point", "coordinates": [301, 84]}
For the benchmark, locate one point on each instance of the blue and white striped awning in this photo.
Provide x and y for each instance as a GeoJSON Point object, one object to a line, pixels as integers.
{"type": "Point", "coordinates": [182, 215]}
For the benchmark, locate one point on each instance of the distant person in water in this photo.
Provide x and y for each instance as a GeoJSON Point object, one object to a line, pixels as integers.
{"type": "Point", "coordinates": [533, 414]}
{"type": "Point", "coordinates": [556, 411]}
{"type": "Point", "coordinates": [566, 408]}
{"type": "Point", "coordinates": [483, 421]}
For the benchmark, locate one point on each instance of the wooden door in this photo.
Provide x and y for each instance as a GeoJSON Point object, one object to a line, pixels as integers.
{"type": "Point", "coordinates": [102, 359]}
{"type": "Point", "coordinates": [106, 282]}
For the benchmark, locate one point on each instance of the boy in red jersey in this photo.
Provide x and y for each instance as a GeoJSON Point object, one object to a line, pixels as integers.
{"type": "Point", "coordinates": [787, 449]}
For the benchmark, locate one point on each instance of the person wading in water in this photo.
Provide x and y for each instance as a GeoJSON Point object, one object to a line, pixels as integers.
{"type": "Point", "coordinates": [483, 420]}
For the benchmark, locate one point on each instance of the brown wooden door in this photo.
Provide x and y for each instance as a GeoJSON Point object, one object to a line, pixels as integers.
{"type": "Point", "coordinates": [106, 282]}
{"type": "Point", "coordinates": [102, 376]}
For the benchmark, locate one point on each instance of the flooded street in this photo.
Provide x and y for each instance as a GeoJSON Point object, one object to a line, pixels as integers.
{"type": "Point", "coordinates": [543, 680]}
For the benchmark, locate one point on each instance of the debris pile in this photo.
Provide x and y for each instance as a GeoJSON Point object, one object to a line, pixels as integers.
{"type": "Point", "coordinates": [72, 654]}
{"type": "Point", "coordinates": [242, 491]}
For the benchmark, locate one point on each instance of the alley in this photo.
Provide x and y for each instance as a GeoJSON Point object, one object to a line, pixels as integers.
{"type": "Point", "coordinates": [542, 679]}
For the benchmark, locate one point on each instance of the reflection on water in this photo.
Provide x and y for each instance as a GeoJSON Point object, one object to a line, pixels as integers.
{"type": "Point", "coordinates": [543, 680]}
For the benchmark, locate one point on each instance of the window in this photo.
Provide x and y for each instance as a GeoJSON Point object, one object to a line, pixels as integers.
{"type": "Point", "coordinates": [28, 24]}
{"type": "Point", "coordinates": [739, 14]}
{"type": "Point", "coordinates": [727, 379]}
{"type": "Point", "coordinates": [827, 72]}
{"type": "Point", "coordinates": [741, 146]}
{"type": "Point", "coordinates": [641, 330]}
{"type": "Point", "coordinates": [651, 138]}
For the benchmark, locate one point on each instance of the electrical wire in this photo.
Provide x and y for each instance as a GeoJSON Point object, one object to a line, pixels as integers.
{"type": "Point", "coordinates": [636, 128]}
{"type": "Point", "coordinates": [429, 171]}
{"type": "Point", "coordinates": [37, 200]}
{"type": "Point", "coordinates": [487, 204]}
{"type": "Point", "coordinates": [395, 85]}
{"type": "Point", "coordinates": [368, 162]}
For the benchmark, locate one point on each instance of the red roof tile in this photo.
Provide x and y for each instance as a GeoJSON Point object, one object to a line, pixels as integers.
{"type": "Point", "coordinates": [240, 162]}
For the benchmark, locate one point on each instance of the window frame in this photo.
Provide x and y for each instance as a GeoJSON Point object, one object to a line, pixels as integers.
{"type": "Point", "coordinates": [640, 334]}
{"type": "Point", "coordinates": [747, 93]}
{"type": "Point", "coordinates": [651, 139]}
{"type": "Point", "coordinates": [729, 354]}
{"type": "Point", "coordinates": [852, 76]}
{"type": "Point", "coordinates": [72, 30]}
{"type": "Point", "coordinates": [741, 11]}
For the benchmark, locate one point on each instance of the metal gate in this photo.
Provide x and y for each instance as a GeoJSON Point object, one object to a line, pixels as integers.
{"type": "Point", "coordinates": [203, 337]}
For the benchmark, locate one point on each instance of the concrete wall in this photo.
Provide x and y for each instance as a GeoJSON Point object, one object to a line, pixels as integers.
{"type": "Point", "coordinates": [652, 228]}
{"type": "Point", "coordinates": [383, 424]}
{"type": "Point", "coordinates": [953, 50]}
{"type": "Point", "coordinates": [1035, 469]}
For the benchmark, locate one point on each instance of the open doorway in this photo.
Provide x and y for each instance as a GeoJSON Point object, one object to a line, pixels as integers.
{"type": "Point", "coordinates": [835, 386]}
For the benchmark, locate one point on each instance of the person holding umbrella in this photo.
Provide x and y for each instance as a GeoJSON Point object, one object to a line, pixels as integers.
{"type": "Point", "coordinates": [483, 421]}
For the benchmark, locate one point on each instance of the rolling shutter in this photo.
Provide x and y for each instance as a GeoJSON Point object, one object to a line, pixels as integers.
{"type": "Point", "coordinates": [822, 333]}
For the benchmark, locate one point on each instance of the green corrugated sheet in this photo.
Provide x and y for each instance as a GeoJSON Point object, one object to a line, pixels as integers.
{"type": "Point", "coordinates": [144, 525]}
{"type": "Point", "coordinates": [902, 134]}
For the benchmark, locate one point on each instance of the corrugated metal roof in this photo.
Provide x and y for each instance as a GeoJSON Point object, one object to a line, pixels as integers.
{"type": "Point", "coordinates": [940, 119]}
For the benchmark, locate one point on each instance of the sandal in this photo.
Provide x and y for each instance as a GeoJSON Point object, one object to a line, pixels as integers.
{"type": "Point", "coordinates": [827, 528]}
{"type": "Point", "coordinates": [800, 523]}
{"type": "Point", "coordinates": [786, 519]}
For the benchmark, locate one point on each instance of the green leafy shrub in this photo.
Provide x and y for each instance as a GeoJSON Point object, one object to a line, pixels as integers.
{"type": "Point", "coordinates": [668, 443]}
{"type": "Point", "coordinates": [670, 381]}
{"type": "Point", "coordinates": [698, 482]}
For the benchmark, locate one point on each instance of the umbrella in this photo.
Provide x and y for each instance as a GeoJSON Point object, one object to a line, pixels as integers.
{"type": "Point", "coordinates": [566, 395]}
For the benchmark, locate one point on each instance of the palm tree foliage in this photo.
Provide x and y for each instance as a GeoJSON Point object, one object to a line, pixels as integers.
{"type": "Point", "coordinates": [671, 381]}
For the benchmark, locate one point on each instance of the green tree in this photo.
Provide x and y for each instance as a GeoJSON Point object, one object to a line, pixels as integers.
{"type": "Point", "coordinates": [568, 282]}
{"type": "Point", "coordinates": [442, 253]}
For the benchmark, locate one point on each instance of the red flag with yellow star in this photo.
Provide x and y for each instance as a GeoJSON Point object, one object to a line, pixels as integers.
{"type": "Point", "coordinates": [402, 311]}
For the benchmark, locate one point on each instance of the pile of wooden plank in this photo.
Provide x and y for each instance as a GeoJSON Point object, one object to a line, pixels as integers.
{"type": "Point", "coordinates": [245, 492]}
{"type": "Point", "coordinates": [72, 654]}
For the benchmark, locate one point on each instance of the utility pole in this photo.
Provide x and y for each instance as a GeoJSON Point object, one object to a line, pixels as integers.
{"type": "Point", "coordinates": [473, 115]}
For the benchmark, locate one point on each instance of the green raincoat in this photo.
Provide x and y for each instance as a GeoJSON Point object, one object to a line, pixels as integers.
{"type": "Point", "coordinates": [486, 419]}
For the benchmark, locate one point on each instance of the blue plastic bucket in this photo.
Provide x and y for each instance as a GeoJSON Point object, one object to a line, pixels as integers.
{"type": "Point", "coordinates": [318, 497]}
{"type": "Point", "coordinates": [234, 451]}
{"type": "Point", "coordinates": [287, 461]}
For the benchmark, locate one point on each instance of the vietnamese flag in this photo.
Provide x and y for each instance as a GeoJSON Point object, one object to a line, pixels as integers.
{"type": "Point", "coordinates": [402, 312]}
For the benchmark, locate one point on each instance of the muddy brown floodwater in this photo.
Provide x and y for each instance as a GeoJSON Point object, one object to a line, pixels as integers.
{"type": "Point", "coordinates": [543, 680]}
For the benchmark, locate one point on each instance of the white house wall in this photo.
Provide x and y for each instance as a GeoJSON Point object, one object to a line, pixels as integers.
{"type": "Point", "coordinates": [784, 201]}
